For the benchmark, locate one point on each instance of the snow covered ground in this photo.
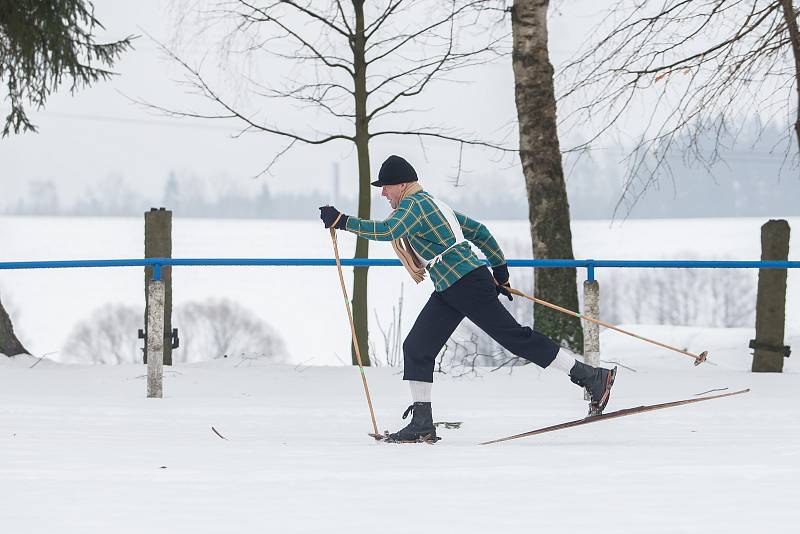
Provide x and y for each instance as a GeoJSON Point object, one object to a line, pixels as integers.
{"type": "Point", "coordinates": [83, 451]}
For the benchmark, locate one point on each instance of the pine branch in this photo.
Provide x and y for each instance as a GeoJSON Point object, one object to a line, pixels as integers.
{"type": "Point", "coordinates": [41, 49]}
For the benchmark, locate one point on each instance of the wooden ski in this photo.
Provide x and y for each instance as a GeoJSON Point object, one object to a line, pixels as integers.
{"type": "Point", "coordinates": [613, 415]}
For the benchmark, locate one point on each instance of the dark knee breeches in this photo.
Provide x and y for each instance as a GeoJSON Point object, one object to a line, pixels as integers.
{"type": "Point", "coordinates": [474, 296]}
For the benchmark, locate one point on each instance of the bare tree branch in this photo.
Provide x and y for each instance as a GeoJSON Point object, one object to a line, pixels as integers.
{"type": "Point", "coordinates": [794, 35]}
{"type": "Point", "coordinates": [439, 65]}
{"type": "Point", "coordinates": [316, 54]}
{"type": "Point", "coordinates": [438, 135]}
{"type": "Point", "coordinates": [345, 32]}
{"type": "Point", "coordinates": [706, 64]}
{"type": "Point", "coordinates": [375, 25]}
{"type": "Point", "coordinates": [274, 160]}
{"type": "Point", "coordinates": [427, 29]}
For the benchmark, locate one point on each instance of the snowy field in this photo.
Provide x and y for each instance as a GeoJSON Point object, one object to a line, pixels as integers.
{"type": "Point", "coordinates": [305, 304]}
{"type": "Point", "coordinates": [83, 451]}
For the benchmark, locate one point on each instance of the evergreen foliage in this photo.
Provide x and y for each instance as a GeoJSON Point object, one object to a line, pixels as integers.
{"type": "Point", "coordinates": [45, 44]}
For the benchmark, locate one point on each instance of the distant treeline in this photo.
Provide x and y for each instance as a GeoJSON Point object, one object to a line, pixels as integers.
{"type": "Point", "coordinates": [190, 197]}
{"type": "Point", "coordinates": [751, 180]}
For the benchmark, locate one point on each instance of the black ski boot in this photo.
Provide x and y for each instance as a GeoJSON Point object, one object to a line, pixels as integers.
{"type": "Point", "coordinates": [597, 381]}
{"type": "Point", "coordinates": [420, 429]}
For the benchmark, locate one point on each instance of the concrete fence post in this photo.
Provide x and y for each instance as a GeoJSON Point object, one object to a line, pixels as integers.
{"type": "Point", "coordinates": [158, 244]}
{"type": "Point", "coordinates": [771, 300]}
{"type": "Point", "coordinates": [591, 331]}
{"type": "Point", "coordinates": [155, 338]}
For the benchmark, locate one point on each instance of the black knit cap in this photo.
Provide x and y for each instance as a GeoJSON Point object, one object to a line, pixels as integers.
{"type": "Point", "coordinates": [395, 170]}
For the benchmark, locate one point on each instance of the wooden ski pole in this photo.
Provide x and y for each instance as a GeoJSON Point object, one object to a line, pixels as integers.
{"type": "Point", "coordinates": [353, 328]}
{"type": "Point", "coordinates": [698, 358]}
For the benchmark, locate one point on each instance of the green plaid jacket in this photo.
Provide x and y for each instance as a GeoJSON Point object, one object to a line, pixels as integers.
{"type": "Point", "coordinates": [426, 228]}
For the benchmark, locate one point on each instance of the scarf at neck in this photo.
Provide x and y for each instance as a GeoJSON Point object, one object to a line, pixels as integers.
{"type": "Point", "coordinates": [403, 248]}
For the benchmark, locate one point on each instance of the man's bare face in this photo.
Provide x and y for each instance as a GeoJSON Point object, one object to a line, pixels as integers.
{"type": "Point", "coordinates": [394, 193]}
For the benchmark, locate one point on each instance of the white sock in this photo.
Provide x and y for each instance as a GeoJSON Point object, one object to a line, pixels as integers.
{"type": "Point", "coordinates": [565, 360]}
{"type": "Point", "coordinates": [420, 391]}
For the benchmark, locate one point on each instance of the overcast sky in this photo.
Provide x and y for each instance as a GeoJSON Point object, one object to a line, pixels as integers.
{"type": "Point", "coordinates": [99, 133]}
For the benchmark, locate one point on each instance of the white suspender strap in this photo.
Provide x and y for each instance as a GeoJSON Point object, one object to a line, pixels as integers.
{"type": "Point", "coordinates": [452, 222]}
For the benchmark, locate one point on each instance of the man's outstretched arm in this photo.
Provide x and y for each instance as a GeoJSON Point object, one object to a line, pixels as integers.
{"type": "Point", "coordinates": [399, 223]}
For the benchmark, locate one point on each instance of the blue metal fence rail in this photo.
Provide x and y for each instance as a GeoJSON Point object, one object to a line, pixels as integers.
{"type": "Point", "coordinates": [590, 265]}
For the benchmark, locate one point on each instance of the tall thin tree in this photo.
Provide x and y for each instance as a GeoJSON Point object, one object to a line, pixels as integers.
{"type": "Point", "coordinates": [540, 154]}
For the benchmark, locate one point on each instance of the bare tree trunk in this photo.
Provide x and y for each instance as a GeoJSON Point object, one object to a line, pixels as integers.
{"type": "Point", "coordinates": [360, 305]}
{"type": "Point", "coordinates": [794, 36]}
{"type": "Point", "coordinates": [544, 176]}
{"type": "Point", "coordinates": [9, 344]}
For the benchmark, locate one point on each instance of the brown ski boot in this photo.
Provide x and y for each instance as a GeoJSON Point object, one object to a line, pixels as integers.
{"type": "Point", "coordinates": [597, 381]}
{"type": "Point", "coordinates": [419, 430]}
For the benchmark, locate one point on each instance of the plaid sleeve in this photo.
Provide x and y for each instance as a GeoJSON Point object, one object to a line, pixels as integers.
{"type": "Point", "coordinates": [399, 223]}
{"type": "Point", "coordinates": [478, 234]}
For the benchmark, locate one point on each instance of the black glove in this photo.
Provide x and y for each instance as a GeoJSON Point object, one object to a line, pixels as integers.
{"type": "Point", "coordinates": [501, 277]}
{"type": "Point", "coordinates": [328, 215]}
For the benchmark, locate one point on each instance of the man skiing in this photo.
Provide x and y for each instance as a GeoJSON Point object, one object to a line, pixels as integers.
{"type": "Point", "coordinates": [429, 236]}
